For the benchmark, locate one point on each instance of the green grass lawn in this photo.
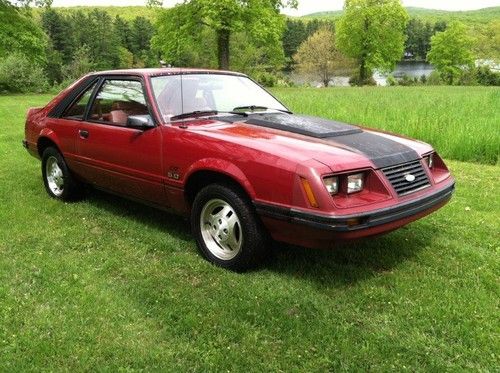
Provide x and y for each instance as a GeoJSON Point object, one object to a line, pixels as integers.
{"type": "Point", "coordinates": [104, 284]}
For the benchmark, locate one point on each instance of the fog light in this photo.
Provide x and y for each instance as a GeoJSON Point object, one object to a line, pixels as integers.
{"type": "Point", "coordinates": [331, 184]}
{"type": "Point", "coordinates": [354, 183]}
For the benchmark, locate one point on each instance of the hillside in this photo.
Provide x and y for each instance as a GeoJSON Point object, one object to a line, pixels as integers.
{"type": "Point", "coordinates": [126, 12]}
{"type": "Point", "coordinates": [471, 16]}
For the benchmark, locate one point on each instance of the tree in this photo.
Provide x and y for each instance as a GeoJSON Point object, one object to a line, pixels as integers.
{"type": "Point", "coordinates": [372, 32]}
{"type": "Point", "coordinates": [418, 38]}
{"type": "Point", "coordinates": [20, 34]}
{"type": "Point", "coordinates": [182, 45]}
{"type": "Point", "coordinates": [123, 32]}
{"type": "Point", "coordinates": [81, 64]}
{"type": "Point", "coordinates": [261, 19]}
{"type": "Point", "coordinates": [451, 51]}
{"type": "Point", "coordinates": [28, 3]}
{"type": "Point", "coordinates": [54, 66]}
{"type": "Point", "coordinates": [487, 41]}
{"type": "Point", "coordinates": [440, 26]}
{"type": "Point", "coordinates": [293, 36]}
{"type": "Point", "coordinates": [60, 33]}
{"type": "Point", "coordinates": [319, 56]}
{"type": "Point", "coordinates": [253, 57]}
{"type": "Point", "coordinates": [141, 33]}
{"type": "Point", "coordinates": [95, 30]}
{"type": "Point", "coordinates": [104, 46]}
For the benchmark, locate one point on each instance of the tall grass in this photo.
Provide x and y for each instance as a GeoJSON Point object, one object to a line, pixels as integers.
{"type": "Point", "coordinates": [462, 123]}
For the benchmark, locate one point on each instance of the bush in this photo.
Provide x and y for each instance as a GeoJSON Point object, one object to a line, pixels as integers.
{"type": "Point", "coordinates": [267, 79]}
{"type": "Point", "coordinates": [270, 80]}
{"type": "Point", "coordinates": [357, 81]}
{"type": "Point", "coordinates": [467, 77]}
{"type": "Point", "coordinates": [19, 75]}
{"type": "Point", "coordinates": [434, 79]}
{"type": "Point", "coordinates": [481, 75]}
{"type": "Point", "coordinates": [406, 81]}
{"type": "Point", "coordinates": [391, 81]}
{"type": "Point", "coordinates": [485, 76]}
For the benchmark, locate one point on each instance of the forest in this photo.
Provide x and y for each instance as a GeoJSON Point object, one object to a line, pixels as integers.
{"type": "Point", "coordinates": [45, 48]}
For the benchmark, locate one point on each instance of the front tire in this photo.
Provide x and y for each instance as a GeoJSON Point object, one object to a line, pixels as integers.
{"type": "Point", "coordinates": [57, 178]}
{"type": "Point", "coordinates": [228, 233]}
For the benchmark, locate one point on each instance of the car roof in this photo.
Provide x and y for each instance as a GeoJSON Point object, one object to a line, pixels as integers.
{"type": "Point", "coordinates": [165, 71]}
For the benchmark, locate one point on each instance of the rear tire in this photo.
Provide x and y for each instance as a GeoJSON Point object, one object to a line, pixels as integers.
{"type": "Point", "coordinates": [227, 230]}
{"type": "Point", "coordinates": [57, 178]}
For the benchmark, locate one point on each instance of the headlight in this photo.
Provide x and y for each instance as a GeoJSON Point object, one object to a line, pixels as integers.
{"type": "Point", "coordinates": [331, 184]}
{"type": "Point", "coordinates": [354, 183]}
{"type": "Point", "coordinates": [430, 160]}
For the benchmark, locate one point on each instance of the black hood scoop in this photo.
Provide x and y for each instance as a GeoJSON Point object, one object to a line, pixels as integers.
{"type": "Point", "coordinates": [303, 125]}
{"type": "Point", "coordinates": [383, 152]}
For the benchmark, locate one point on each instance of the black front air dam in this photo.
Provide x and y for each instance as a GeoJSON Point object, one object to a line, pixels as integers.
{"type": "Point", "coordinates": [341, 223]}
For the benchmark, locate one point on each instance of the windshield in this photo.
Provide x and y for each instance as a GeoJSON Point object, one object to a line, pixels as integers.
{"type": "Point", "coordinates": [179, 94]}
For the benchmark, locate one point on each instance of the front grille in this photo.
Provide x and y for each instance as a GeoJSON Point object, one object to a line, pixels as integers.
{"type": "Point", "coordinates": [397, 177]}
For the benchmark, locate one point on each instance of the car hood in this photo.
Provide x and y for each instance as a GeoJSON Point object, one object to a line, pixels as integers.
{"type": "Point", "coordinates": [304, 137]}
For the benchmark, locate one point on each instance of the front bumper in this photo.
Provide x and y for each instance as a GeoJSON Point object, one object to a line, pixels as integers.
{"type": "Point", "coordinates": [402, 212]}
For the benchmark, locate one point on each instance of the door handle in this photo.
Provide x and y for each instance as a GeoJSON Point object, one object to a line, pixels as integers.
{"type": "Point", "coordinates": [83, 134]}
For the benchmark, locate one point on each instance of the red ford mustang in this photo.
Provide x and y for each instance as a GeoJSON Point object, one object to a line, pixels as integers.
{"type": "Point", "coordinates": [218, 147]}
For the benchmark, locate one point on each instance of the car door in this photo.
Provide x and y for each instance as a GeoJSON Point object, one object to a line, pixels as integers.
{"type": "Point", "coordinates": [66, 124]}
{"type": "Point", "coordinates": [114, 156]}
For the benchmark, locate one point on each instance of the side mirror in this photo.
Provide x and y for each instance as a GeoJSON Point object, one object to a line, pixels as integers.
{"type": "Point", "coordinates": [142, 122]}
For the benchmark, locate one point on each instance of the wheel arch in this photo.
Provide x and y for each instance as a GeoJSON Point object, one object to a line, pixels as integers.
{"type": "Point", "coordinates": [45, 140]}
{"type": "Point", "coordinates": [209, 171]}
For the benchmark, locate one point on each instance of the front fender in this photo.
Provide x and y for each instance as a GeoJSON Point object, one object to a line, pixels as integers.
{"type": "Point", "coordinates": [223, 167]}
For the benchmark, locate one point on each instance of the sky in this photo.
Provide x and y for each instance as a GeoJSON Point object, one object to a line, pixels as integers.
{"type": "Point", "coordinates": [310, 6]}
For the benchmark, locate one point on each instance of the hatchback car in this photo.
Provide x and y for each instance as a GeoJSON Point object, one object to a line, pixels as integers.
{"type": "Point", "coordinates": [217, 147]}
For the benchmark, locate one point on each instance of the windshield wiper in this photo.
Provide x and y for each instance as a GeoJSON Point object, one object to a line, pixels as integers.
{"type": "Point", "coordinates": [257, 107]}
{"type": "Point", "coordinates": [204, 113]}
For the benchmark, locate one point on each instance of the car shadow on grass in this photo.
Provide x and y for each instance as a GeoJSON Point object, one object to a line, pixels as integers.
{"type": "Point", "coordinates": [344, 265]}
{"type": "Point", "coordinates": [351, 262]}
{"type": "Point", "coordinates": [158, 220]}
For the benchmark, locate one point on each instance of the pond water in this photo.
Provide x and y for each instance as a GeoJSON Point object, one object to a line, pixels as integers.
{"type": "Point", "coordinates": [414, 69]}
{"type": "Point", "coordinates": [410, 68]}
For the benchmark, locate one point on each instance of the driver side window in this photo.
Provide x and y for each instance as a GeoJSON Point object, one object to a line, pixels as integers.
{"type": "Point", "coordinates": [118, 99]}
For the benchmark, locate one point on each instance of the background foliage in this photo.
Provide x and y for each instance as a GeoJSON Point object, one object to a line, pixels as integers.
{"type": "Point", "coordinates": [372, 32]}
{"type": "Point", "coordinates": [68, 42]}
{"type": "Point", "coordinates": [319, 57]}
{"type": "Point", "coordinates": [451, 51]}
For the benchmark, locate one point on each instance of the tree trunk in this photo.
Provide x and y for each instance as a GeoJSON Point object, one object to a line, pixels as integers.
{"type": "Point", "coordinates": [362, 71]}
{"type": "Point", "coordinates": [223, 49]}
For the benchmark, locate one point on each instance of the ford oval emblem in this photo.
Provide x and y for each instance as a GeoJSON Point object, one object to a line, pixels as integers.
{"type": "Point", "coordinates": [410, 178]}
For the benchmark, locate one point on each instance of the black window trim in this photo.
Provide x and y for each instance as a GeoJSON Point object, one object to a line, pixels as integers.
{"type": "Point", "coordinates": [102, 79]}
{"type": "Point", "coordinates": [72, 97]}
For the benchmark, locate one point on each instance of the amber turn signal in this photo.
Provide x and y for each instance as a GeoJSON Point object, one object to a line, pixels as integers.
{"type": "Point", "coordinates": [309, 192]}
